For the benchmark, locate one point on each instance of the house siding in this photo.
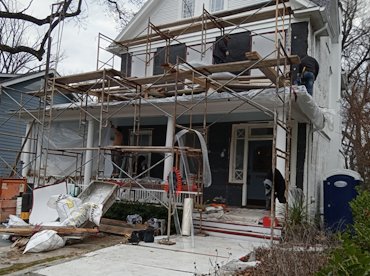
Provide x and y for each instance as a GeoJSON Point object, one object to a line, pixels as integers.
{"type": "Point", "coordinates": [234, 4]}
{"type": "Point", "coordinates": [10, 144]}
{"type": "Point", "coordinates": [13, 128]}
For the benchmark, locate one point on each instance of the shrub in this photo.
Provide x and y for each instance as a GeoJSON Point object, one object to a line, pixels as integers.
{"type": "Point", "coordinates": [121, 209]}
{"type": "Point", "coordinates": [352, 257]}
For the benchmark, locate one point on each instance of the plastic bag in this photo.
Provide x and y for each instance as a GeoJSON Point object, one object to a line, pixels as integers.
{"type": "Point", "coordinates": [87, 211]}
{"type": "Point", "coordinates": [16, 221]}
{"type": "Point", "coordinates": [45, 240]}
{"type": "Point", "coordinates": [154, 223]}
{"type": "Point", "coordinates": [134, 219]}
{"type": "Point", "coordinates": [64, 204]}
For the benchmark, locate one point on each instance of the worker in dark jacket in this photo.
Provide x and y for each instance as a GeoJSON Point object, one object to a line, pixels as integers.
{"type": "Point", "coordinates": [279, 187]}
{"type": "Point", "coordinates": [308, 70]}
{"type": "Point", "coordinates": [221, 50]}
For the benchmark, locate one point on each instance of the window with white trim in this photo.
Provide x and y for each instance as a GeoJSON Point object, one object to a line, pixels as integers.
{"type": "Point", "coordinates": [216, 5]}
{"type": "Point", "coordinates": [188, 7]}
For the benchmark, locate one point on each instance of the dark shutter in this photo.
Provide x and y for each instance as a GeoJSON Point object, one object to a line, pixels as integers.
{"type": "Point", "coordinates": [299, 43]}
{"type": "Point", "coordinates": [238, 45]}
{"type": "Point", "coordinates": [175, 51]}
{"type": "Point", "coordinates": [301, 154]}
{"type": "Point", "coordinates": [126, 60]}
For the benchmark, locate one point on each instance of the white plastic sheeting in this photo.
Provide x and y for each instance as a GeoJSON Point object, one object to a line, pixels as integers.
{"type": "Point", "coordinates": [207, 176]}
{"type": "Point", "coordinates": [71, 135]}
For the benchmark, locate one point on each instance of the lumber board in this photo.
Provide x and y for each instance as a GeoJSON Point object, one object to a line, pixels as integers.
{"type": "Point", "coordinates": [117, 230]}
{"type": "Point", "coordinates": [269, 72]}
{"type": "Point", "coordinates": [118, 227]}
{"type": "Point", "coordinates": [218, 14]}
{"type": "Point", "coordinates": [216, 68]}
{"type": "Point", "coordinates": [245, 18]}
{"type": "Point", "coordinates": [30, 230]}
{"type": "Point", "coordinates": [88, 76]}
{"type": "Point", "coordinates": [115, 222]}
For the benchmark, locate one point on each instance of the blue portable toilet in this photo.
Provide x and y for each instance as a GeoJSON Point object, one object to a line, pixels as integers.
{"type": "Point", "coordinates": [339, 190]}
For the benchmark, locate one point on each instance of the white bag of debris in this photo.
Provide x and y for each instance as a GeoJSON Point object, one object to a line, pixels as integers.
{"type": "Point", "coordinates": [45, 240]}
{"type": "Point", "coordinates": [16, 221]}
{"type": "Point", "coordinates": [134, 219]}
{"type": "Point", "coordinates": [87, 211]}
{"type": "Point", "coordinates": [64, 204]}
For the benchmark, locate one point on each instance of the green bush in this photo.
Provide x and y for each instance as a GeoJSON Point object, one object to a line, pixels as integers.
{"type": "Point", "coordinates": [352, 257]}
{"type": "Point", "coordinates": [361, 217]}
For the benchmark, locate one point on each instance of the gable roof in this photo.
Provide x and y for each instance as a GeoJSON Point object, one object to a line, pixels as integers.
{"type": "Point", "coordinates": [145, 9]}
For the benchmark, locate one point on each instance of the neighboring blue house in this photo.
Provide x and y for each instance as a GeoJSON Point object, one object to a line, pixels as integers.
{"type": "Point", "coordinates": [16, 95]}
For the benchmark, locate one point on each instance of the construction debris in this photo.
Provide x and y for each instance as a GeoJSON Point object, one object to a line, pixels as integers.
{"type": "Point", "coordinates": [118, 227]}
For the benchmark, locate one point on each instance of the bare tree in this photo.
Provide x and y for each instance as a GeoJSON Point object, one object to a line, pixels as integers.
{"type": "Point", "coordinates": [12, 34]}
{"type": "Point", "coordinates": [356, 101]}
{"type": "Point", "coordinates": [15, 46]}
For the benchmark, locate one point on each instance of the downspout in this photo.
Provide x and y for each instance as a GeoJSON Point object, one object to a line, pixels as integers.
{"type": "Point", "coordinates": [309, 165]}
{"type": "Point", "coordinates": [89, 153]}
{"type": "Point", "coordinates": [315, 34]}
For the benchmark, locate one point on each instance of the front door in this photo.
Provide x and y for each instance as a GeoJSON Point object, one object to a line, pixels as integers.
{"type": "Point", "coordinates": [259, 164]}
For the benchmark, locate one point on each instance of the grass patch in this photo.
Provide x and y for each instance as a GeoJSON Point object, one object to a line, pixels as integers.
{"type": "Point", "coordinates": [21, 266]}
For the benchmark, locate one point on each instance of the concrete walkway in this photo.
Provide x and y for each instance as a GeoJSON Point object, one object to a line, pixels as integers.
{"type": "Point", "coordinates": [207, 254]}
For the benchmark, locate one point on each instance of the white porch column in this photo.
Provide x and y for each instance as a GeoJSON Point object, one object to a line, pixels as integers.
{"type": "Point", "coordinates": [281, 145]}
{"type": "Point", "coordinates": [168, 162]}
{"type": "Point", "coordinates": [89, 153]}
{"type": "Point", "coordinates": [26, 152]}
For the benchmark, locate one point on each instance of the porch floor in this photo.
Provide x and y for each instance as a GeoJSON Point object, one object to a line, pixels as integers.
{"type": "Point", "coordinates": [235, 215]}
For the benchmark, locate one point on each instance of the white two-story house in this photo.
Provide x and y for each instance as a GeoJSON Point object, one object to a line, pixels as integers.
{"type": "Point", "coordinates": [167, 51]}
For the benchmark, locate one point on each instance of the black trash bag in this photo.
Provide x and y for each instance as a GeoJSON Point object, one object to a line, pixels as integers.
{"type": "Point", "coordinates": [134, 238]}
{"type": "Point", "coordinates": [149, 235]}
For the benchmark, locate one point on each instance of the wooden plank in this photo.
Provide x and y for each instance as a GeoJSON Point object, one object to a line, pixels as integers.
{"type": "Point", "coordinates": [216, 68]}
{"type": "Point", "coordinates": [115, 222]}
{"type": "Point", "coordinates": [117, 230]}
{"type": "Point", "coordinates": [249, 17]}
{"type": "Point", "coordinates": [269, 72]}
{"type": "Point", "coordinates": [218, 14]}
{"type": "Point", "coordinates": [30, 230]}
{"type": "Point", "coordinates": [88, 76]}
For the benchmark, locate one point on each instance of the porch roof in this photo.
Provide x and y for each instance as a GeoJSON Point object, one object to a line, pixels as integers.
{"type": "Point", "coordinates": [304, 108]}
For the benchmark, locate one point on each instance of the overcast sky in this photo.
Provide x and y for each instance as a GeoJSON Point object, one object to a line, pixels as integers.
{"type": "Point", "coordinates": [79, 40]}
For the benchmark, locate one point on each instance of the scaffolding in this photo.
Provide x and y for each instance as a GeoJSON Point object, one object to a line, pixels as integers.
{"type": "Point", "coordinates": [105, 93]}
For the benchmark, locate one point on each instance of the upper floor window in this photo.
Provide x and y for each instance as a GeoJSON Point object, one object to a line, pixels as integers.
{"type": "Point", "coordinates": [188, 7]}
{"type": "Point", "coordinates": [216, 5]}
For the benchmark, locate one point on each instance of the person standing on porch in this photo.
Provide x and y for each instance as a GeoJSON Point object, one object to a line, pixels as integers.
{"type": "Point", "coordinates": [117, 156]}
{"type": "Point", "coordinates": [308, 71]}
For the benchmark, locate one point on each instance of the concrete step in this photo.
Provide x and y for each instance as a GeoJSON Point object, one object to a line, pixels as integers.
{"type": "Point", "coordinates": [236, 230]}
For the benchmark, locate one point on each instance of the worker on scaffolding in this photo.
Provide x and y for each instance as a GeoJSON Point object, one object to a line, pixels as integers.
{"type": "Point", "coordinates": [308, 71]}
{"type": "Point", "coordinates": [117, 155]}
{"type": "Point", "coordinates": [221, 50]}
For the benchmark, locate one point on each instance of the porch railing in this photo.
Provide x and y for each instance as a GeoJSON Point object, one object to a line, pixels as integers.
{"type": "Point", "coordinates": [154, 195]}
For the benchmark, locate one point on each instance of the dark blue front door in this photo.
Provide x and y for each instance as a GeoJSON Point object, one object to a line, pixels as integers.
{"type": "Point", "coordinates": [259, 164]}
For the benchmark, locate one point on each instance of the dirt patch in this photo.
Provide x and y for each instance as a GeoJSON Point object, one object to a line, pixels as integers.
{"type": "Point", "coordinates": [12, 259]}
{"type": "Point", "coordinates": [286, 261]}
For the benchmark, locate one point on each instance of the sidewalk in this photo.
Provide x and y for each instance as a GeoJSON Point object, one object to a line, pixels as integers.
{"type": "Point", "coordinates": [208, 254]}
